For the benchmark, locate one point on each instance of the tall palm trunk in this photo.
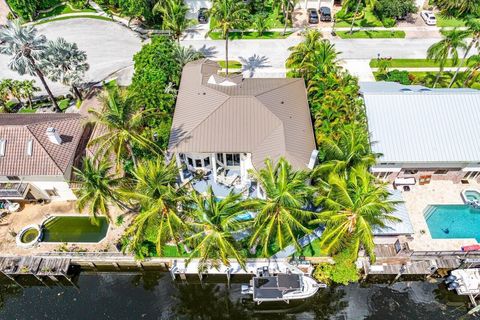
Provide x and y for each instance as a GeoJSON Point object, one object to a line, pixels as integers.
{"type": "Point", "coordinates": [226, 51]}
{"type": "Point", "coordinates": [285, 15]}
{"type": "Point", "coordinates": [470, 46]}
{"type": "Point", "coordinates": [354, 15]}
{"type": "Point", "coordinates": [77, 92]}
{"type": "Point", "coordinates": [134, 159]}
{"type": "Point", "coordinates": [44, 83]}
{"type": "Point", "coordinates": [438, 76]}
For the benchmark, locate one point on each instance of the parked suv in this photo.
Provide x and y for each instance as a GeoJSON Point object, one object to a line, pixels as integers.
{"type": "Point", "coordinates": [325, 14]}
{"type": "Point", "coordinates": [203, 15]}
{"type": "Point", "coordinates": [312, 16]}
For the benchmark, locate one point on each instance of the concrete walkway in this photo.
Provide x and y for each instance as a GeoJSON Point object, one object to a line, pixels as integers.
{"type": "Point", "coordinates": [432, 69]}
{"type": "Point", "coordinates": [359, 68]}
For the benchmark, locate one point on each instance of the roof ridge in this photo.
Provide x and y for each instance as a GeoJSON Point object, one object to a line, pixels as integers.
{"type": "Point", "coordinates": [204, 119]}
{"type": "Point", "coordinates": [283, 85]}
{"type": "Point", "coordinates": [43, 147]}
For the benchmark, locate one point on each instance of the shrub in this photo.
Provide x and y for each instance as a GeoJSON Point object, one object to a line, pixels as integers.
{"type": "Point", "coordinates": [394, 8]}
{"type": "Point", "coordinates": [389, 22]}
{"type": "Point", "coordinates": [343, 271]}
{"type": "Point", "coordinates": [398, 76]}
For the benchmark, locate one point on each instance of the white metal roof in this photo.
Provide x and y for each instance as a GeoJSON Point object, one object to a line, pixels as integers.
{"type": "Point", "coordinates": [421, 125]}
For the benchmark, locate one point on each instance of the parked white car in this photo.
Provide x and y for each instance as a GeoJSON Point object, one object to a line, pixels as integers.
{"type": "Point", "coordinates": [429, 18]}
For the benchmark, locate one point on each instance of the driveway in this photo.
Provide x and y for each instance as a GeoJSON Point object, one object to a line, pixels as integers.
{"type": "Point", "coordinates": [109, 46]}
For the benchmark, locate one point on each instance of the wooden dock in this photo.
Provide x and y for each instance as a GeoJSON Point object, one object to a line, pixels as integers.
{"type": "Point", "coordinates": [38, 267]}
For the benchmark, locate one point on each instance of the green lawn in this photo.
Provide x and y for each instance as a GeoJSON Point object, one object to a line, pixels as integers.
{"type": "Point", "coordinates": [87, 16]}
{"type": "Point", "coordinates": [172, 252]}
{"type": "Point", "coordinates": [376, 34]}
{"type": "Point", "coordinates": [411, 63]}
{"type": "Point", "coordinates": [27, 110]}
{"type": "Point", "coordinates": [312, 250]}
{"type": "Point", "coordinates": [62, 9]}
{"type": "Point", "coordinates": [443, 21]}
{"type": "Point", "coordinates": [369, 20]}
{"type": "Point", "coordinates": [64, 104]}
{"type": "Point", "coordinates": [232, 64]}
{"type": "Point", "coordinates": [216, 35]}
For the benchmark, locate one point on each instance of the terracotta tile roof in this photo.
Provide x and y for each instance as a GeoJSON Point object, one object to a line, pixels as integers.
{"type": "Point", "coordinates": [47, 158]}
{"type": "Point", "coordinates": [269, 118]}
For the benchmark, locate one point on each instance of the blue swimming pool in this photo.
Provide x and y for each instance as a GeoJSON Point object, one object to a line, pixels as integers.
{"type": "Point", "coordinates": [453, 221]}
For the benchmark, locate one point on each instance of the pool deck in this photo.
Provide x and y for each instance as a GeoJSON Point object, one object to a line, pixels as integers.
{"type": "Point", "coordinates": [437, 192]}
{"type": "Point", "coordinates": [36, 214]}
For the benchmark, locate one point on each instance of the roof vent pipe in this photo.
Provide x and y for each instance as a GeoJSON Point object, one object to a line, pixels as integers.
{"type": "Point", "coordinates": [313, 159]}
{"type": "Point", "coordinates": [53, 136]}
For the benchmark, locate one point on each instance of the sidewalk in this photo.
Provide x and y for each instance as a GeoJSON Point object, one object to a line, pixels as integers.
{"type": "Point", "coordinates": [428, 69]}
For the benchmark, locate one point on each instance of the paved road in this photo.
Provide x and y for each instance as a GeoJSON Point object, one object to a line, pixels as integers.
{"type": "Point", "coordinates": [109, 46]}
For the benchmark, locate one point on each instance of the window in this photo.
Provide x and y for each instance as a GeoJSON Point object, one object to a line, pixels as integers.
{"type": "Point", "coordinates": [220, 158]}
{"type": "Point", "coordinates": [190, 162]}
{"type": "Point", "coordinates": [182, 156]}
{"type": "Point", "coordinates": [229, 157]}
{"type": "Point", "coordinates": [441, 171]}
{"type": "Point", "coordinates": [2, 147]}
{"type": "Point", "coordinates": [13, 178]}
{"type": "Point", "coordinates": [233, 159]}
{"type": "Point", "coordinates": [29, 147]}
{"type": "Point", "coordinates": [206, 162]}
{"type": "Point", "coordinates": [198, 163]}
{"type": "Point", "coordinates": [52, 192]}
{"type": "Point", "coordinates": [411, 171]}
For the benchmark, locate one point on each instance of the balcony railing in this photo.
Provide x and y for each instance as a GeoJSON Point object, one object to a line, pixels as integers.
{"type": "Point", "coordinates": [13, 189]}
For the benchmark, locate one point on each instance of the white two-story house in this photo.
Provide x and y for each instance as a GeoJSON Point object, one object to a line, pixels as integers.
{"type": "Point", "coordinates": [37, 152]}
{"type": "Point", "coordinates": [225, 126]}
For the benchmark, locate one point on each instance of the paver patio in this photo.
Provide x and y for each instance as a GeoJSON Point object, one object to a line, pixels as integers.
{"type": "Point", "coordinates": [437, 192]}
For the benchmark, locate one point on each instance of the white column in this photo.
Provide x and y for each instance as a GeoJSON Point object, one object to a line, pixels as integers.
{"type": "Point", "coordinates": [179, 165]}
{"type": "Point", "coordinates": [213, 160]}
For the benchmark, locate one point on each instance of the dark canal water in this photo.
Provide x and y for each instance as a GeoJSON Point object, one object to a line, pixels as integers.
{"type": "Point", "coordinates": [155, 296]}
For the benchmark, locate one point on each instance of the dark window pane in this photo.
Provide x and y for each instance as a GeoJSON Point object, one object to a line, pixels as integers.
{"type": "Point", "coordinates": [190, 162]}
{"type": "Point", "coordinates": [206, 162]}
{"type": "Point", "coordinates": [198, 163]}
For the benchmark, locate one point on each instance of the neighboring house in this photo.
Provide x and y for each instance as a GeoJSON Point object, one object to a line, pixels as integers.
{"type": "Point", "coordinates": [422, 133]}
{"type": "Point", "coordinates": [227, 126]}
{"type": "Point", "coordinates": [37, 152]}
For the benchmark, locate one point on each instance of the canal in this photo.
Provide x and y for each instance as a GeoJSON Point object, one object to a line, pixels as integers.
{"type": "Point", "coordinates": [154, 295]}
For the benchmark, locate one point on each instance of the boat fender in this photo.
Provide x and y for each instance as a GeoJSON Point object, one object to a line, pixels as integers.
{"type": "Point", "coordinates": [453, 286]}
{"type": "Point", "coordinates": [450, 279]}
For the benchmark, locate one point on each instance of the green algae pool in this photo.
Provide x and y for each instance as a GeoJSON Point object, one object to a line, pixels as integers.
{"type": "Point", "coordinates": [74, 229]}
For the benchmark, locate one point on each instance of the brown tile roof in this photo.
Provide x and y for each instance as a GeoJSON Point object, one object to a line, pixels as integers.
{"type": "Point", "coordinates": [47, 159]}
{"type": "Point", "coordinates": [269, 118]}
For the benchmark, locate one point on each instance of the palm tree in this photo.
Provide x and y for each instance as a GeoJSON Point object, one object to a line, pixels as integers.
{"type": "Point", "coordinates": [447, 48]}
{"type": "Point", "coordinates": [228, 15]}
{"type": "Point", "coordinates": [123, 127]}
{"type": "Point", "coordinates": [160, 200]}
{"type": "Point", "coordinates": [214, 222]}
{"type": "Point", "coordinates": [261, 23]}
{"type": "Point", "coordinates": [350, 149]}
{"type": "Point", "coordinates": [26, 47]}
{"type": "Point", "coordinates": [281, 214]}
{"type": "Point", "coordinates": [174, 16]}
{"type": "Point", "coordinates": [473, 25]}
{"type": "Point", "coordinates": [184, 55]}
{"type": "Point", "coordinates": [14, 88]}
{"type": "Point", "coordinates": [64, 62]}
{"type": "Point", "coordinates": [353, 207]}
{"type": "Point", "coordinates": [312, 56]}
{"type": "Point", "coordinates": [474, 67]}
{"type": "Point", "coordinates": [460, 7]}
{"type": "Point", "coordinates": [98, 187]}
{"type": "Point", "coordinates": [28, 88]}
